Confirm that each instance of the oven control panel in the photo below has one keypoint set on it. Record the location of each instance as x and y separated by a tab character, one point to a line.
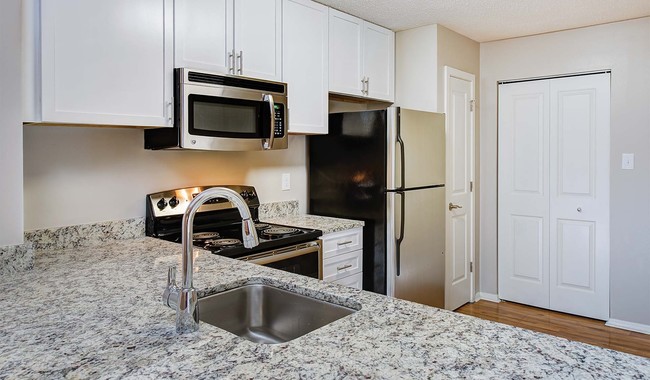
175	202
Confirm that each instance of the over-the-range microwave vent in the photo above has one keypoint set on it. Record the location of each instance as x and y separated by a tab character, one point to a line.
220	80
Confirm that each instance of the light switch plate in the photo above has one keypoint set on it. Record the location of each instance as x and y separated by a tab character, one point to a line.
627	161
286	181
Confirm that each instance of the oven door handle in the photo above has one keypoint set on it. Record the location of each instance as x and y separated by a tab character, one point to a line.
268	143
271	258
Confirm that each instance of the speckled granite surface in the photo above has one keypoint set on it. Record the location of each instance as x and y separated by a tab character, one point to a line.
278	209
323	223
85	234
95	312
15	258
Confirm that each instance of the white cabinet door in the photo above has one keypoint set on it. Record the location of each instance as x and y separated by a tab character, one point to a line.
305	64
258	38
354	281
203	33
345	53
379	61
107	62
579	214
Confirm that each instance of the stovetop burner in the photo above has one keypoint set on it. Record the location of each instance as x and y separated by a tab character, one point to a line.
262	226
276	232
205	236
222	243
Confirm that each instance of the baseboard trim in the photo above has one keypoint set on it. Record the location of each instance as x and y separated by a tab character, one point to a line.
630	326
487	297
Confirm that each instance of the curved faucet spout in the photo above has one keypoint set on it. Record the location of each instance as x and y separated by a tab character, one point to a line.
187	319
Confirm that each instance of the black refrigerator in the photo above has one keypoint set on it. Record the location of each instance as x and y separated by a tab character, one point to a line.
387	168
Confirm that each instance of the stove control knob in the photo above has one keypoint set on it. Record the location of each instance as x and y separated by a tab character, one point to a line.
251	194
174	202
244	194
162	203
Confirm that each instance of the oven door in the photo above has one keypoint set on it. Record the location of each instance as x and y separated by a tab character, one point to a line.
231	118
304	259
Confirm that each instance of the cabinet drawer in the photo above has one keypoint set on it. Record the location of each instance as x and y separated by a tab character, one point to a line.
341	242
353	281
340	266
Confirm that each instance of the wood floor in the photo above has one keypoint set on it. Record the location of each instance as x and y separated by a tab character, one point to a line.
559	324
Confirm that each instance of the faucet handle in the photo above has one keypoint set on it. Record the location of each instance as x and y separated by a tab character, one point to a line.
171	276
170	295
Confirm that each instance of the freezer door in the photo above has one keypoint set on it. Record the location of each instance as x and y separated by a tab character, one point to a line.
416	246
419	148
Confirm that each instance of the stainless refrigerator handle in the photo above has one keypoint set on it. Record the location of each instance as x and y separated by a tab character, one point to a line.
401	152
268	143
398	241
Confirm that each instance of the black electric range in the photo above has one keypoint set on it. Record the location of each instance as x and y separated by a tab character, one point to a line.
217	228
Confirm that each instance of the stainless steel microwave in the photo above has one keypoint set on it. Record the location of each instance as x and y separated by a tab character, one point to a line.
223	112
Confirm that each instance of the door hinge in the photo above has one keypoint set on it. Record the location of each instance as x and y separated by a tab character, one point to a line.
471	105
471	267
471	186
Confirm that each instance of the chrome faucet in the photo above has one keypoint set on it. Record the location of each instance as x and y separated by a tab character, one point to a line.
183	299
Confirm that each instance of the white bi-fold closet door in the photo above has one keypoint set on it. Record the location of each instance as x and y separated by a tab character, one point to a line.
553	202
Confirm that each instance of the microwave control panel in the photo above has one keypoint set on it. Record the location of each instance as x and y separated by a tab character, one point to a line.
279	120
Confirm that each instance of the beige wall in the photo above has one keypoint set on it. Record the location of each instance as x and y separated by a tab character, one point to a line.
624	48
11	138
85	175
462	53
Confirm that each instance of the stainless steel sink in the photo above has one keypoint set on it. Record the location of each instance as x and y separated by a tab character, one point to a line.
266	314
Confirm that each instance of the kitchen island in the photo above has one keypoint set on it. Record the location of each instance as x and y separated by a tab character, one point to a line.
96	312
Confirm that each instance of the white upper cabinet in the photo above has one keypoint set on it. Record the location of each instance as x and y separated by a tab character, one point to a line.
379	62
305	65
102	62
361	58
346	60
203	33
241	37
258	38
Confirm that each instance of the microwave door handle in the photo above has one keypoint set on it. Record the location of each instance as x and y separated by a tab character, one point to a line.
268	143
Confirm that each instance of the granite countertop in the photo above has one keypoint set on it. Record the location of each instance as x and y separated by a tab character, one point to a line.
323	223
96	313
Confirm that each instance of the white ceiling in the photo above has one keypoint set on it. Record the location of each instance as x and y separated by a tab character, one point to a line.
489	20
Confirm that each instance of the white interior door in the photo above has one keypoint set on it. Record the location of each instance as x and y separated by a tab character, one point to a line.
459	176
553	227
258	38
523	193
579	207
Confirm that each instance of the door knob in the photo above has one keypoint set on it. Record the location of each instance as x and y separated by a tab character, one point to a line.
579	209
453	206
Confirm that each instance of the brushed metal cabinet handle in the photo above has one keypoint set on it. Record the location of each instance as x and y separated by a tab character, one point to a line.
344	267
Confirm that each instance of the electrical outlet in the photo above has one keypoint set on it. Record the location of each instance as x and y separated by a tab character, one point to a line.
627	161
286	181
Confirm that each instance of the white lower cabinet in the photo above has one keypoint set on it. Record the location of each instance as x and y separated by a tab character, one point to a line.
343	257
352	281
